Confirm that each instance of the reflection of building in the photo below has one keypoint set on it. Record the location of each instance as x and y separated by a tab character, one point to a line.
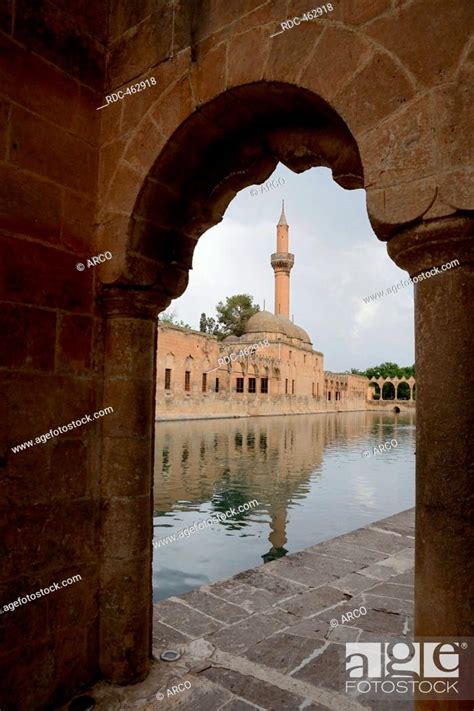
287	376
270	459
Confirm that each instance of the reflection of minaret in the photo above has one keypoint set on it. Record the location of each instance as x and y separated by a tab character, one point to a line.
282	262
278	535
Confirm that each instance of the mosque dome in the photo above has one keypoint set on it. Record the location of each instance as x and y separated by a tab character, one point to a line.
264	321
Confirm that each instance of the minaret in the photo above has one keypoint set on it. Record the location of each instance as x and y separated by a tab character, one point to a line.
282	262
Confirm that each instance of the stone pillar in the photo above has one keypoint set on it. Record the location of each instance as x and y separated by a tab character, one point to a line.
126	483
444	432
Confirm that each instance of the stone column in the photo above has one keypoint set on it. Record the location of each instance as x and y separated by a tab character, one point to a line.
444	432
126	483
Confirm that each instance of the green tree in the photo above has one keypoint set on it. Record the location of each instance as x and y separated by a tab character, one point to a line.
170	317
234	314
207	324
387	370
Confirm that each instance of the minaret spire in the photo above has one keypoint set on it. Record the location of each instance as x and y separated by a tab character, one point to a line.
282	262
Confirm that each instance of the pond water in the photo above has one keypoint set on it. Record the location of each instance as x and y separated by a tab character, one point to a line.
310	474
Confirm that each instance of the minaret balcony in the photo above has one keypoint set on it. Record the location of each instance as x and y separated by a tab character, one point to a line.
282	260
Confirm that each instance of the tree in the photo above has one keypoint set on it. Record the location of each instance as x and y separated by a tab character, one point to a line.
172	318
208	325
234	314
387	370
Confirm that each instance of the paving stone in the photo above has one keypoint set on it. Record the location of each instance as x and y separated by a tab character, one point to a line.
258	692
344	608
283	651
214	606
223	587
327	670
375	540
347	551
242	635
407	553
202	696
182	618
323	570
389	604
313	601
252	599
281	588
404	592
287	619
402	523
343	634
315	628
386	569
381	637
324	565
165	637
407	578
239	705
353	583
381	622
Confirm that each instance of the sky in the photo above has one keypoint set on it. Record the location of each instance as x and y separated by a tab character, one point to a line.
338	261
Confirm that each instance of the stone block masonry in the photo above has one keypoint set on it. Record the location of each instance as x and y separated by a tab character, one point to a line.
265	638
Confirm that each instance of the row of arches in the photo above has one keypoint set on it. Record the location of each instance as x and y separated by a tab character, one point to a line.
392	389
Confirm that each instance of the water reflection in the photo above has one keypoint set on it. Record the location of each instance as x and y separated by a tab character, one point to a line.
306	471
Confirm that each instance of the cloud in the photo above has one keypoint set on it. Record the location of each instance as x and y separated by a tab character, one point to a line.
338	261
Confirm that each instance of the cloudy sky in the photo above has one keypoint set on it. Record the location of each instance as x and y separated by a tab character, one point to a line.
338	261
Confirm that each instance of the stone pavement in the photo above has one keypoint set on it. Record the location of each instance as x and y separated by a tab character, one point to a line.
264	639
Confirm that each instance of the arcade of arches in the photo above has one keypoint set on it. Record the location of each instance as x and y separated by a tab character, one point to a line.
378	91
392	389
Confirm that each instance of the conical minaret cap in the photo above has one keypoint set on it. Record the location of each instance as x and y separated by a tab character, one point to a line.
282	220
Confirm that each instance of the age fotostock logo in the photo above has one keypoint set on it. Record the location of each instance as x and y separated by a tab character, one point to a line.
407	669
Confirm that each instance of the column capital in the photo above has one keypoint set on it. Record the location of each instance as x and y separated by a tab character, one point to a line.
145	303
433	243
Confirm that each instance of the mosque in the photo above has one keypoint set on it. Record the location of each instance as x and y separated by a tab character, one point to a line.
201	377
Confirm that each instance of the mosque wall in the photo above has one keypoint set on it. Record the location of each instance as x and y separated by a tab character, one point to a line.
283	377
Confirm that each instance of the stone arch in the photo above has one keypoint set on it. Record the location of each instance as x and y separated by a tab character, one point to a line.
373	391
388	390
170	360
355	114
403	390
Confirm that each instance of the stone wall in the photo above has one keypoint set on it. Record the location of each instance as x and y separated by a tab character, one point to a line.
285	365
381	93
52	63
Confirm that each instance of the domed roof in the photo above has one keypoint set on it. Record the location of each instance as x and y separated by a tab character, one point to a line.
266	321
288	327
303	334
263	321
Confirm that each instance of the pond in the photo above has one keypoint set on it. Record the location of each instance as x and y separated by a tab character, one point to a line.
314	477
